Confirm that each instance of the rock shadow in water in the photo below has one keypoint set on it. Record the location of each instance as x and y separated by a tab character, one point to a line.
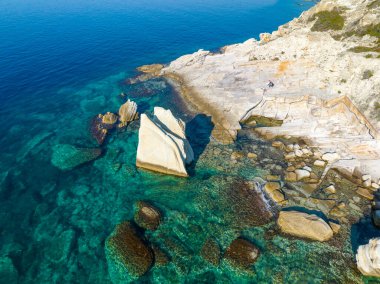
198	132
362	232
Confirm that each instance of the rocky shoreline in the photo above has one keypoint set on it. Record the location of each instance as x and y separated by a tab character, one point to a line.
324	91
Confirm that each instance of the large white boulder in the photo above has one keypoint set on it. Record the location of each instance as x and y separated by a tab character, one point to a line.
163	146
304	225
368	258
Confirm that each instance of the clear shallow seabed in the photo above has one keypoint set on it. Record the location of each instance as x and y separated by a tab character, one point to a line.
65	62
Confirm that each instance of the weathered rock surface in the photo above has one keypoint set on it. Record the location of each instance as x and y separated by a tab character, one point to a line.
163	146
127	113
326	81
67	157
109	119
242	253
128	255
368	258
147	216
304	225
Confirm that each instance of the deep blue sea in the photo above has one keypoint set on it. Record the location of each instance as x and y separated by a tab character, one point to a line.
63	62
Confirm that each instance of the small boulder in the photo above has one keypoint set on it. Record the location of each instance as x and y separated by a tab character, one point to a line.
128	255
319	163
147	216
302	174
109	118
330	157
304	225
242	253
127	113
67	157
368	258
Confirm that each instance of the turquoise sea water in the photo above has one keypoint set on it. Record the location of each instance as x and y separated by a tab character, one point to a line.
62	63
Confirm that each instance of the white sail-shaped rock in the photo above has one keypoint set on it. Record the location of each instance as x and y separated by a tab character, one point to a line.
162	144
368	258
176	127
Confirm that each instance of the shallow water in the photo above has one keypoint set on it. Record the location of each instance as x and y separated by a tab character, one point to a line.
64	62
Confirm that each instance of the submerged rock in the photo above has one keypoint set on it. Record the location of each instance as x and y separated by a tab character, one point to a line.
98	131
211	252
109	119
60	247
163	137
304	225
128	255
127	113
368	258
8	273
147	216
67	157
242	253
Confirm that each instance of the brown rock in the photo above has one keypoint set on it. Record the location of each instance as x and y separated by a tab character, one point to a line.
147	216
109	118
291	176
242	253
211	252
365	193
126	247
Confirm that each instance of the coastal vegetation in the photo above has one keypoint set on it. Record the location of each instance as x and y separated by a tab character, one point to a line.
328	20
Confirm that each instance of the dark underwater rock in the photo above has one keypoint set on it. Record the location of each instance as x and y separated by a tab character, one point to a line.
128	254
242	253
60	247
147	216
160	257
8	273
211	252
244	206
67	157
98	130
376	218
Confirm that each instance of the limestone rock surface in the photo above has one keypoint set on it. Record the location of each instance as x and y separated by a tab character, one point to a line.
368	258
163	146
304	225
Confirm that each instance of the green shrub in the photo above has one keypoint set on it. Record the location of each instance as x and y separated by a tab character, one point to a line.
367	74
328	20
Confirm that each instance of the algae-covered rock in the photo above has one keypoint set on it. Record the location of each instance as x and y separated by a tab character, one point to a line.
109	118
242	253
211	251
128	255
147	216
67	157
60	247
8	273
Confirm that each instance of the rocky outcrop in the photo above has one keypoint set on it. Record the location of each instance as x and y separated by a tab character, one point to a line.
368	258
304	225
147	216
128	255
127	113
67	157
242	253
324	70
163	146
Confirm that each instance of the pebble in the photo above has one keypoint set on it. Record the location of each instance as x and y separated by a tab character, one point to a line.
307	168
375	186
319	163
330	157
355	207
356	199
299	153
251	155
335	227
330	189
291	176
367	183
302	174
365	193
366	177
